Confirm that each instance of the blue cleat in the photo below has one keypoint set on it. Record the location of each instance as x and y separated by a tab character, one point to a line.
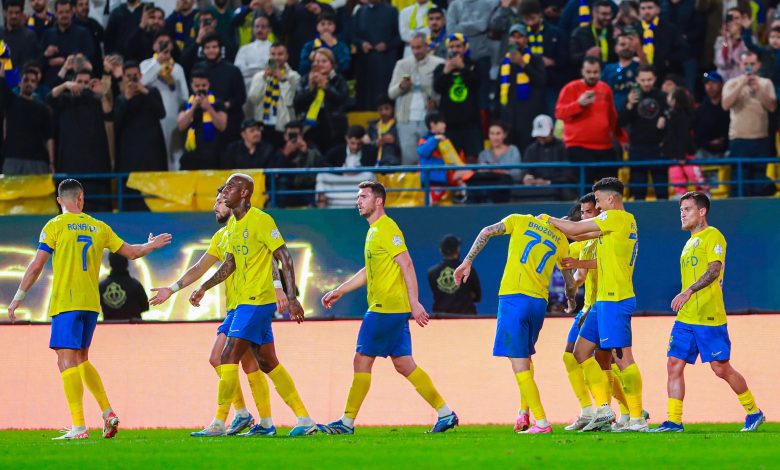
301	430
753	421
445	423
239	424
258	430
668	426
337	427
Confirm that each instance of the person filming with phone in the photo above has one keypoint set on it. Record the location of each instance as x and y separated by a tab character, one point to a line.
202	121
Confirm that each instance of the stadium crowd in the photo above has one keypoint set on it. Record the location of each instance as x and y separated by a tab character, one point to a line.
264	84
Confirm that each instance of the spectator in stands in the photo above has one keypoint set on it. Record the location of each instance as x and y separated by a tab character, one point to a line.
375	35
546	149
587	110
195	50
643	115
181	23
326	37
678	143
750	100
41	91
203	120
244	20
352	154
253	57
663	45
714	12
41	18
436	149
448	296
382	133
122	297
298	153
28	143
22	41
471	18
123	22
458	82
299	24
222	11
549	42
272	93
670	82
729	46
139	46
321	98
81	18
621	75
413	20
80	108
627	17
521	86
595	39
251	151
62	40
504	16
769	56
499	153
412	88
711	121
226	82
437	37
161	72
577	13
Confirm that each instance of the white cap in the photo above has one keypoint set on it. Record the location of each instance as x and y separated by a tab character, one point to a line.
543	126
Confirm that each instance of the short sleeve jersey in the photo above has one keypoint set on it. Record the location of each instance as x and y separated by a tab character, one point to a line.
616	254
386	285
705	307
588	252
76	242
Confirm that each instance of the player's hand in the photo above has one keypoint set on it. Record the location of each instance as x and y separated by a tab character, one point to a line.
571	305
197	296
679	300
331	298
419	314
462	272
161	295
281	300
296	311
160	240
12	310
569	263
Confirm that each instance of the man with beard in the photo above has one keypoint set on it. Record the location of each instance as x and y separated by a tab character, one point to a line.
63	40
123	21
621	74
22	41
41	18
81	18
181	23
140	46
595	39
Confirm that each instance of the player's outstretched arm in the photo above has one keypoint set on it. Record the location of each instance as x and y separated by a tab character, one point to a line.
31	275
582	230
580	264
139	251
462	272
282	254
571	291
410	277
709	276
195	272
224	271
355	282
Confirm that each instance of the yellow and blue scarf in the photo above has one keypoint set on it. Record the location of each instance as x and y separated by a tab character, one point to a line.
208	131
382	129
413	18
522	81
11	72
319	43
462	38
271	99
433	44
648	39
584	12
536	40
601	41
314	108
32	19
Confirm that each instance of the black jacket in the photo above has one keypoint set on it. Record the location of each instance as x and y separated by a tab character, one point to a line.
583	39
457	108
332	118
236	155
338	155
122	297
643	119
448	297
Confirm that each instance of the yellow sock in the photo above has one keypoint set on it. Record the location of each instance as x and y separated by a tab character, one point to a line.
91	378
529	391
524	404
227	389
596	381
361	382
632	385
222	408
609	380
259	387
617	390
576	379
748	402
674	410
424	386
286	388
74	393
238	397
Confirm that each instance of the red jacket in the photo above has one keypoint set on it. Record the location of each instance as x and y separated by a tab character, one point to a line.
592	127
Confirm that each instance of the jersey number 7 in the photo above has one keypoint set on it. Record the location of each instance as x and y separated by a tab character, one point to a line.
535	240
87	241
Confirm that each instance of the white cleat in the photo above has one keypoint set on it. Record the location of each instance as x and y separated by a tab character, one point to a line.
579	423
621	422
635	425
602	420
212	430
76	432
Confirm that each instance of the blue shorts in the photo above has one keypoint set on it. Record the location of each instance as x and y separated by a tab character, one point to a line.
520	319
253	323
224	327
687	341
385	334
608	324
574	331
72	330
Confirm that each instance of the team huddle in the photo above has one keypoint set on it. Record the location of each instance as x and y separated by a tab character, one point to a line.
259	278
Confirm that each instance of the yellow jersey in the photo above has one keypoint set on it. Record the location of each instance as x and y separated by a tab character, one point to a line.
705	307
76	242
532	243
616	255
588	252
385	282
253	239
575	248
218	248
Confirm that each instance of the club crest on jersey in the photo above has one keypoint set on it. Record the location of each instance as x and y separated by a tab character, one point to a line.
397	240
42	238
718	250
603	216
246	233
275	234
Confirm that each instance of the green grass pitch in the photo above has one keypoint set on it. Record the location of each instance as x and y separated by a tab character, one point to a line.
701	446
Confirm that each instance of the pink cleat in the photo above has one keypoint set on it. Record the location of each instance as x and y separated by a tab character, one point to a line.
538	430
110	425
523	423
